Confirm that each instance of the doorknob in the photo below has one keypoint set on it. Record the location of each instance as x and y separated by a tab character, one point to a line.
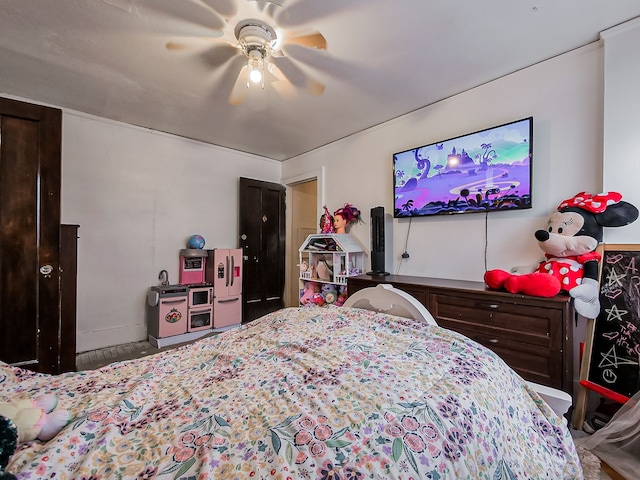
46	270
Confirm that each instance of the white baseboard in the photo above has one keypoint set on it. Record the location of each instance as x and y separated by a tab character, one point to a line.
173	340
110	336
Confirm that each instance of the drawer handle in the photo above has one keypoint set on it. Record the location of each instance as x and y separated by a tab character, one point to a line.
494	340
493	306
172	302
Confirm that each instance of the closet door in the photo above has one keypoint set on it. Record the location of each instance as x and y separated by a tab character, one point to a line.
30	139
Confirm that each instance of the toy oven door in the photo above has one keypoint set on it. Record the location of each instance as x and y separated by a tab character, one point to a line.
200	297
200	319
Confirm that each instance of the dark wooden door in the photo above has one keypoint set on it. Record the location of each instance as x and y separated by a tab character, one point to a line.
30	140
262	238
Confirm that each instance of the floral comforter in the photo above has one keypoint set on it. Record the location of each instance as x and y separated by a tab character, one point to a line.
311	393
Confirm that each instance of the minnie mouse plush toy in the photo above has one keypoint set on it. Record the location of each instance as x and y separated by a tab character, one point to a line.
569	243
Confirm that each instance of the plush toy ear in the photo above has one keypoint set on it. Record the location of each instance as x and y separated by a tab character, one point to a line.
617	215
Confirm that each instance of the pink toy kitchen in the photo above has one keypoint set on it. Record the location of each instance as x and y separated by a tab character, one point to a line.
206	299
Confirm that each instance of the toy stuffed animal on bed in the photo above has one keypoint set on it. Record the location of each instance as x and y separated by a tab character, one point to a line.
36	418
569	242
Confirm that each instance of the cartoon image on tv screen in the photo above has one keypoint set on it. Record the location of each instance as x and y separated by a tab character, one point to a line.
483	171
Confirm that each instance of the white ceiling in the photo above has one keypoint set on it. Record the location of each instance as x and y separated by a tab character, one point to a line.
384	58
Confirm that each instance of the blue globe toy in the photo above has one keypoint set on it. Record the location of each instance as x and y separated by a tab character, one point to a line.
195	241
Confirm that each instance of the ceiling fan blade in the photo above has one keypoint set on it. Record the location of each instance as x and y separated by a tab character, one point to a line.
279	81
188	43
226	8
194	13
177	46
265	6
124	5
219	54
284	88
311	40
321	61
191	12
239	91
297	77
305	11
314	88
275	71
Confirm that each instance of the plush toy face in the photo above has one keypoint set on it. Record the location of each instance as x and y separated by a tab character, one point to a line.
330	297
565	235
329	288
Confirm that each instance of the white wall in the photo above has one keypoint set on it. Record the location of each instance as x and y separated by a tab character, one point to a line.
564	96
137	196
622	122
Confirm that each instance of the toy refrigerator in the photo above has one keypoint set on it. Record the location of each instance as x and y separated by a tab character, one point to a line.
224	271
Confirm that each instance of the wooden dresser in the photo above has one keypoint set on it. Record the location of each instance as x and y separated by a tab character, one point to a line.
533	335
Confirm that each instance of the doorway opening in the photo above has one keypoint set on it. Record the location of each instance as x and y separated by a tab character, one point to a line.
304	200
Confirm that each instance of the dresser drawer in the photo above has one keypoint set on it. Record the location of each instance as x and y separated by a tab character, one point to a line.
532	362
498	319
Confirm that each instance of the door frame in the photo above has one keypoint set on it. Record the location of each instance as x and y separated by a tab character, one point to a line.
317	174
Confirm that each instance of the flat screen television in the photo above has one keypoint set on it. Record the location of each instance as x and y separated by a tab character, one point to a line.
484	171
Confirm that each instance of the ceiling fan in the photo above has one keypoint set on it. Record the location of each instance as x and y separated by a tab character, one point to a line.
256	49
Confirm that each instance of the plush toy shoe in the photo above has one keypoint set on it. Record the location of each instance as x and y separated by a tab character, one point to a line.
52	423
495	278
47	402
535	284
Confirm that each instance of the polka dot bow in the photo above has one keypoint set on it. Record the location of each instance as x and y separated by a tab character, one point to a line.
592	203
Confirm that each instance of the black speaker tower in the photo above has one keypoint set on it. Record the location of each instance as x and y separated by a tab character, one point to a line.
377	242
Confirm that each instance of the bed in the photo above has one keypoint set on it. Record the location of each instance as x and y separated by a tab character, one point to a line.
303	393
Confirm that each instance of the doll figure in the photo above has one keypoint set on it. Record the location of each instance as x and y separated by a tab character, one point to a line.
326	222
323	270
340	224
344	217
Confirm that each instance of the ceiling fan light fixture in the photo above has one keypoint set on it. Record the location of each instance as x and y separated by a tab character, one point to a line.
255	62
254	32
255	76
256	40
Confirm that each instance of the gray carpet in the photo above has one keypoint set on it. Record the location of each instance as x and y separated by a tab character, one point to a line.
99	358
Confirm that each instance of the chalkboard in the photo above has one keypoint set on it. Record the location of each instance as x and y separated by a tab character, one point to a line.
614	363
